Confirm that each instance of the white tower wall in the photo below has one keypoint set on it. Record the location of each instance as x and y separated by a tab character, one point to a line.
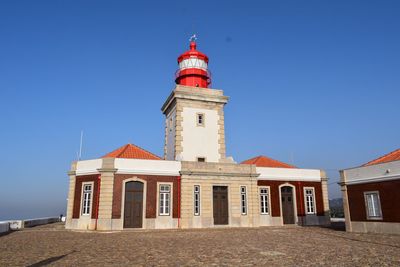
200	140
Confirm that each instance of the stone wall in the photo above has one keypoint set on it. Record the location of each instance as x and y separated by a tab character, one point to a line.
207	175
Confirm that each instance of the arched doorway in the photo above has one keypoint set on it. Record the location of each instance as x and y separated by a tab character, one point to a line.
133	205
287	203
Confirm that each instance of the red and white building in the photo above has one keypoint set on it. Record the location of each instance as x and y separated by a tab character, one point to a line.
371	195
194	184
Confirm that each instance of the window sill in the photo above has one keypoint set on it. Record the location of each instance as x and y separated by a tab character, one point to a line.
374	218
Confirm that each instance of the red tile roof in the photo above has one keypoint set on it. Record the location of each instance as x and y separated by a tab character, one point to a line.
263	161
130	151
392	156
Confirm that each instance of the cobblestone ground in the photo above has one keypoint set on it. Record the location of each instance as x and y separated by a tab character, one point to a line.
272	246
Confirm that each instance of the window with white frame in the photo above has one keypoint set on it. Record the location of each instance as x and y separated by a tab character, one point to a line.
373	205
243	200
309	198
86	199
165	199
200	119
197	200
264	200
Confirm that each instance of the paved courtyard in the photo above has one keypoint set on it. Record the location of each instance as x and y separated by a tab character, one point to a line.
272	246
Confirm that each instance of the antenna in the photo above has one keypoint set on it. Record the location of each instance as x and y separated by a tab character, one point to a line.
80	147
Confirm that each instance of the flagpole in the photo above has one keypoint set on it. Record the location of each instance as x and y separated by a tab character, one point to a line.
80	146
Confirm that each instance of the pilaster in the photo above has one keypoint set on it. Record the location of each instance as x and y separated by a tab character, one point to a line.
106	194
346	208
71	195
325	197
221	132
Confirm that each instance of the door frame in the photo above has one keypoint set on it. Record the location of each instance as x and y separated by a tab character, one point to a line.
296	219
229	204
133	179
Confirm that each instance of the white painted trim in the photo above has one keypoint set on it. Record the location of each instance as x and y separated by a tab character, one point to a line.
91	200
373	173
286	174
269	200
132	166
296	219
314	200
134	179
194	206
86	167
373	179
171	200
246	200
367	216
149	167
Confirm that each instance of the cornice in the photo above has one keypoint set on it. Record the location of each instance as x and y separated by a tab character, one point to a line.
210	173
113	170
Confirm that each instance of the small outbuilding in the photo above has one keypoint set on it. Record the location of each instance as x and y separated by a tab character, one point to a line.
371	195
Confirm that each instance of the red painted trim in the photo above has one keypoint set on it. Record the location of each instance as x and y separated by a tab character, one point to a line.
192	71
301	200
98	199
179	201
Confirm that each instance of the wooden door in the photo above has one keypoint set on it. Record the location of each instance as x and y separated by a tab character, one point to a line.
133	208
287	205
220	205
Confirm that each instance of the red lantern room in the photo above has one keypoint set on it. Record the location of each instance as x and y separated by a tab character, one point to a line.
193	68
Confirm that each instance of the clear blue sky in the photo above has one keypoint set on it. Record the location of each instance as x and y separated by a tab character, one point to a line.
313	83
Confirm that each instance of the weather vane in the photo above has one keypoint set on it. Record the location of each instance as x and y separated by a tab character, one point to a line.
193	38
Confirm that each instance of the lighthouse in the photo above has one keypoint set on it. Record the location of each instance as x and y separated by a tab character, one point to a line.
194	112
193	68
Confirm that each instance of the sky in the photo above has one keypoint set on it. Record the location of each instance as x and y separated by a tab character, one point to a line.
311	83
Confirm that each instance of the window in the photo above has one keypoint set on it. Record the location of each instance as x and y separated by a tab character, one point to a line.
264	195
165	202
201	159
373	205
86	199
200	119
243	200
197	200
309	198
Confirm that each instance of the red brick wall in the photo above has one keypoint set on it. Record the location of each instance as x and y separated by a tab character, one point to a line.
299	186
389	194
151	194
78	195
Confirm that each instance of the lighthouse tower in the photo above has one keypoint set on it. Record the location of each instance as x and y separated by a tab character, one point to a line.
194	125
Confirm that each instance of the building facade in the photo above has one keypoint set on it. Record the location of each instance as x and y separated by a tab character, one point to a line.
371	198
194	185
